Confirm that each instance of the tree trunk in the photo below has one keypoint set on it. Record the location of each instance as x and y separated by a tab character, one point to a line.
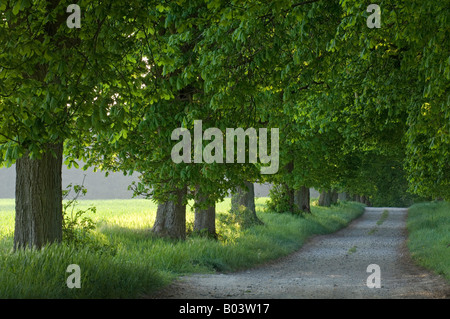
291	197
171	217
334	197
365	200
302	199
290	192
205	220
325	198
243	205
39	199
362	199
342	196
244	197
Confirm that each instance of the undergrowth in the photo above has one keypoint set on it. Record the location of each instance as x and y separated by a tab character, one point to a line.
429	236
139	263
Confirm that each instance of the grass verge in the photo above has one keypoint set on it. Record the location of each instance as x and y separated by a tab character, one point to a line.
126	261
429	236
383	217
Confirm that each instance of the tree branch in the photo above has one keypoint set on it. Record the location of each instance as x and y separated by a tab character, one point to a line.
304	2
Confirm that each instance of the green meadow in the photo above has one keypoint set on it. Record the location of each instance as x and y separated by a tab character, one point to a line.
122	259
429	236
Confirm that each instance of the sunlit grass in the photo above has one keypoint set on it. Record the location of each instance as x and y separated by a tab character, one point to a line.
429	236
136	263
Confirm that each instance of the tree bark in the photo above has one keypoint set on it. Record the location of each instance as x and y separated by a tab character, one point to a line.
290	192
38	218
302	199
243	204
205	219
365	200
342	196
245	198
334	197
171	217
325	198
291	197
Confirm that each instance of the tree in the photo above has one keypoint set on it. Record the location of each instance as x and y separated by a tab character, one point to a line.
328	197
205	218
174	46
171	217
57	84
243	205
288	73
412	84
302	199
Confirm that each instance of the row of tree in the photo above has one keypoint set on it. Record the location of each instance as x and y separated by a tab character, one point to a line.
359	110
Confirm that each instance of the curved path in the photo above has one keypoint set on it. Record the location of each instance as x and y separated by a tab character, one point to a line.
329	266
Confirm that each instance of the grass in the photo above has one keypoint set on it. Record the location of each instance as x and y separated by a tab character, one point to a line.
352	250
126	261
429	236
383	217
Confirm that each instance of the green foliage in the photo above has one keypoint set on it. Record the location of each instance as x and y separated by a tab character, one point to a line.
78	227
59	83
340	92
379	176
242	217
397	77
391	186
175	95
279	199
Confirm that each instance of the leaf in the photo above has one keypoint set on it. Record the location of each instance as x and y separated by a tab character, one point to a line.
16	7
179	84
160	8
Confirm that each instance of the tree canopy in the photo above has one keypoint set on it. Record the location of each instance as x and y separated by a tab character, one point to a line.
359	109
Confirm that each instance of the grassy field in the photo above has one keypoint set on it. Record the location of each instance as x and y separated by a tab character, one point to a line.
123	259
429	236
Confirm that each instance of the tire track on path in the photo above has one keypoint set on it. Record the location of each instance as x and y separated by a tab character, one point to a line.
328	266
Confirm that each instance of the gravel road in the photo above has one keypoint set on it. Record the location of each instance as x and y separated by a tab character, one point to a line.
329	266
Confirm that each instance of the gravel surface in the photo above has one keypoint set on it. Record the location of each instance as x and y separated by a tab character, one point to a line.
329	266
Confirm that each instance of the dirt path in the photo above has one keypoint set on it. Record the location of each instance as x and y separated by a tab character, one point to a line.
329	266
